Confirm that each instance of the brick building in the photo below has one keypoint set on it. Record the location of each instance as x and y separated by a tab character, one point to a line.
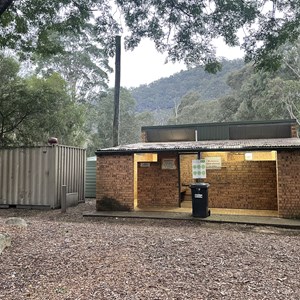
249	165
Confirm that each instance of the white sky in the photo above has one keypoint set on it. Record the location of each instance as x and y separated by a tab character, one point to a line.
145	65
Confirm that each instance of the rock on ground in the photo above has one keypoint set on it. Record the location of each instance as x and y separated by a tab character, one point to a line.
16	222
5	241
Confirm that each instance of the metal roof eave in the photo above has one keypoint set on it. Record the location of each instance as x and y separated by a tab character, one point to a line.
196	149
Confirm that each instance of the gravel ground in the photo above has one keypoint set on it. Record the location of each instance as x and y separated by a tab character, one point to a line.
67	257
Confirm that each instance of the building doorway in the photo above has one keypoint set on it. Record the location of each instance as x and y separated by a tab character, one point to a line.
242	181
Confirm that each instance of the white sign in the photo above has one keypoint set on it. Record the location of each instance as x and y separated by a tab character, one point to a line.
213	163
168	164
199	196
248	156
199	168
145	165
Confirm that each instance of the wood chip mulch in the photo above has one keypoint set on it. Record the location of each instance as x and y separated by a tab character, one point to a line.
70	257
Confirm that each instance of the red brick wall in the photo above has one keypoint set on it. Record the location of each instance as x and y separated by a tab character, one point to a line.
288	168
294	131
157	187
115	178
244	185
240	184
144	137
186	177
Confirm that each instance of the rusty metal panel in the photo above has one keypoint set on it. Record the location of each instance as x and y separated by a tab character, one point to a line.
34	176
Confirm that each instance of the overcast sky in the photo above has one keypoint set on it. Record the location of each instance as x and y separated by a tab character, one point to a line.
145	65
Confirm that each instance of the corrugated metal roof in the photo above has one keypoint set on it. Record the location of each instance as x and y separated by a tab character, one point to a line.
208	146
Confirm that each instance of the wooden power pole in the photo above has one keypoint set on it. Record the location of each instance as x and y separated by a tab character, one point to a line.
116	121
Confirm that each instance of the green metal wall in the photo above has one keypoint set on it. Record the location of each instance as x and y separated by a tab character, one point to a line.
90	179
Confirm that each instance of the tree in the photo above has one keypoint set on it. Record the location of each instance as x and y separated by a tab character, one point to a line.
280	101
227	108
4	4
193	109
165	91
33	109
37	26
15	103
57	114
83	65
101	122
264	95
184	29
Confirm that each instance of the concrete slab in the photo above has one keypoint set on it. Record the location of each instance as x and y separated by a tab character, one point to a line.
215	218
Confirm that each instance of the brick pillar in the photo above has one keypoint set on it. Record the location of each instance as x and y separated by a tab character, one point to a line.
115	178
288	183
294	131
144	138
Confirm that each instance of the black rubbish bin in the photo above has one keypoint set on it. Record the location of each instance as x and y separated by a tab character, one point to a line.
200	199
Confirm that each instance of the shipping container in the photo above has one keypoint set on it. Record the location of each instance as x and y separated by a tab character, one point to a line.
33	177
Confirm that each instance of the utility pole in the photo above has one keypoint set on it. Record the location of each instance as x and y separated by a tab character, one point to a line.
116	121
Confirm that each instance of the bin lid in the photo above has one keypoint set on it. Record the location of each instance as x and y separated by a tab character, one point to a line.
199	185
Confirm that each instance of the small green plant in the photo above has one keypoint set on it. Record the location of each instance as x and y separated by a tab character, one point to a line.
110	204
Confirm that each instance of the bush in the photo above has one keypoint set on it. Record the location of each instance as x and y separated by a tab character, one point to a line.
110	204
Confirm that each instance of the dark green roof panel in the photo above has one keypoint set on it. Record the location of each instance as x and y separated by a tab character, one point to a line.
210	133
220	131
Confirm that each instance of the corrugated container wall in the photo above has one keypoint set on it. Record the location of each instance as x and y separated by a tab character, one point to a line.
34	176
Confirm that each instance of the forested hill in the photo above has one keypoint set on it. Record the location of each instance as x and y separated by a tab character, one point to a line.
162	93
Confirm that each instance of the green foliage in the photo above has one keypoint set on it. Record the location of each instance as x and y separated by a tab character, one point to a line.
199	112
280	100
101	121
105	118
163	93
83	65
189	100
60	116
227	108
213	67
33	109
255	95
39	26
185	30
262	95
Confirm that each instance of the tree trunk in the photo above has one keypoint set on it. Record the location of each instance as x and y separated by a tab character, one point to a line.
117	93
4	4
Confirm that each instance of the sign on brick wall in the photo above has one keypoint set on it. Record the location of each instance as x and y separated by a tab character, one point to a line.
168	164
199	168
213	163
